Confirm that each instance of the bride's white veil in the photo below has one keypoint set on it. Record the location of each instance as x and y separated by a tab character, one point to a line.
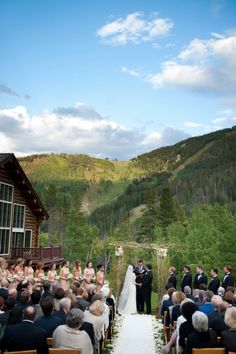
124	295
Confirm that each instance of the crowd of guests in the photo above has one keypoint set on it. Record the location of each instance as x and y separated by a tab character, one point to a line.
201	314
36	305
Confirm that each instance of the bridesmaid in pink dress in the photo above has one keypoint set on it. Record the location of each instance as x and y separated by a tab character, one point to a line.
11	277
39	273
19	270
64	272
52	273
3	267
89	274
77	272
29	273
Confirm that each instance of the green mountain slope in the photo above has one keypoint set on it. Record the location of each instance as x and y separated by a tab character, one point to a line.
198	170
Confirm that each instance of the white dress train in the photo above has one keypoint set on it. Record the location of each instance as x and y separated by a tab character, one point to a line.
127	300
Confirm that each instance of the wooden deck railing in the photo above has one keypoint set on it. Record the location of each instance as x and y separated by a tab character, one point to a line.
50	253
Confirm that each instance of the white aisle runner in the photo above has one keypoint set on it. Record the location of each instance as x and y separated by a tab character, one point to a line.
136	335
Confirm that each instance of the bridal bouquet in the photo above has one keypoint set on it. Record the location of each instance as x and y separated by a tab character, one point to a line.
11	279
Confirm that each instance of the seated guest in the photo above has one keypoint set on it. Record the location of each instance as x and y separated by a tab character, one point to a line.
71	336
81	297
207	307
86	326
58	295
196	295
35	300
217	303
24	299
201	298
4	289
188	292
221	291
95	315
228	296
201	336
25	335
177	298
65	305
15	316
48	321
166	304
47	289
218	324
229	336
187	310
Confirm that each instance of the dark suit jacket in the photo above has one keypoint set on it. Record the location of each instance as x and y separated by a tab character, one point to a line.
187	280
214	285
61	314
200	340
147	283
25	336
49	323
229	339
218	324
199	279
88	327
228	281
172	280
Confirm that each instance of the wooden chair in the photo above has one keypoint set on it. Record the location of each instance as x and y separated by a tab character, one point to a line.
64	351
167	329
33	351
231	352
208	351
49	341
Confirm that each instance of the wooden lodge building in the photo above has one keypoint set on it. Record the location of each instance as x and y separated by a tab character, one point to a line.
21	214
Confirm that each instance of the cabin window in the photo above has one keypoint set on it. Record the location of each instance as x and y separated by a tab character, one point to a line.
28	238
6	197
19	216
17	239
22	239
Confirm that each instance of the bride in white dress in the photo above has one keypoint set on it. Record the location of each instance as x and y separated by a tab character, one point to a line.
127	299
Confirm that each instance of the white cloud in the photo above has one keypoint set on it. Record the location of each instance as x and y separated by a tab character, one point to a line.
203	65
224	120
131	72
77	129
134	28
194	125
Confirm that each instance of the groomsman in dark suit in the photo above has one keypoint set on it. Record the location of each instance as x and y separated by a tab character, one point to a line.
147	288
215	281
200	278
228	279
172	277
187	278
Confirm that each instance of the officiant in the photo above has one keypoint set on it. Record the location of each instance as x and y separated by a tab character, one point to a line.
139	272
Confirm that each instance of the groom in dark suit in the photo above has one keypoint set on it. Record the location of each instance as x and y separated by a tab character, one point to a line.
147	288
139	272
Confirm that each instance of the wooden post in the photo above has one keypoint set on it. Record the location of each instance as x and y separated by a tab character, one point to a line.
161	276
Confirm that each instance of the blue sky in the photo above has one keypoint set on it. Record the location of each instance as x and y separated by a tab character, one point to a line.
114	78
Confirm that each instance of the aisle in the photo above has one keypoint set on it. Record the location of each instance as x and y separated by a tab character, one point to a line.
136	335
